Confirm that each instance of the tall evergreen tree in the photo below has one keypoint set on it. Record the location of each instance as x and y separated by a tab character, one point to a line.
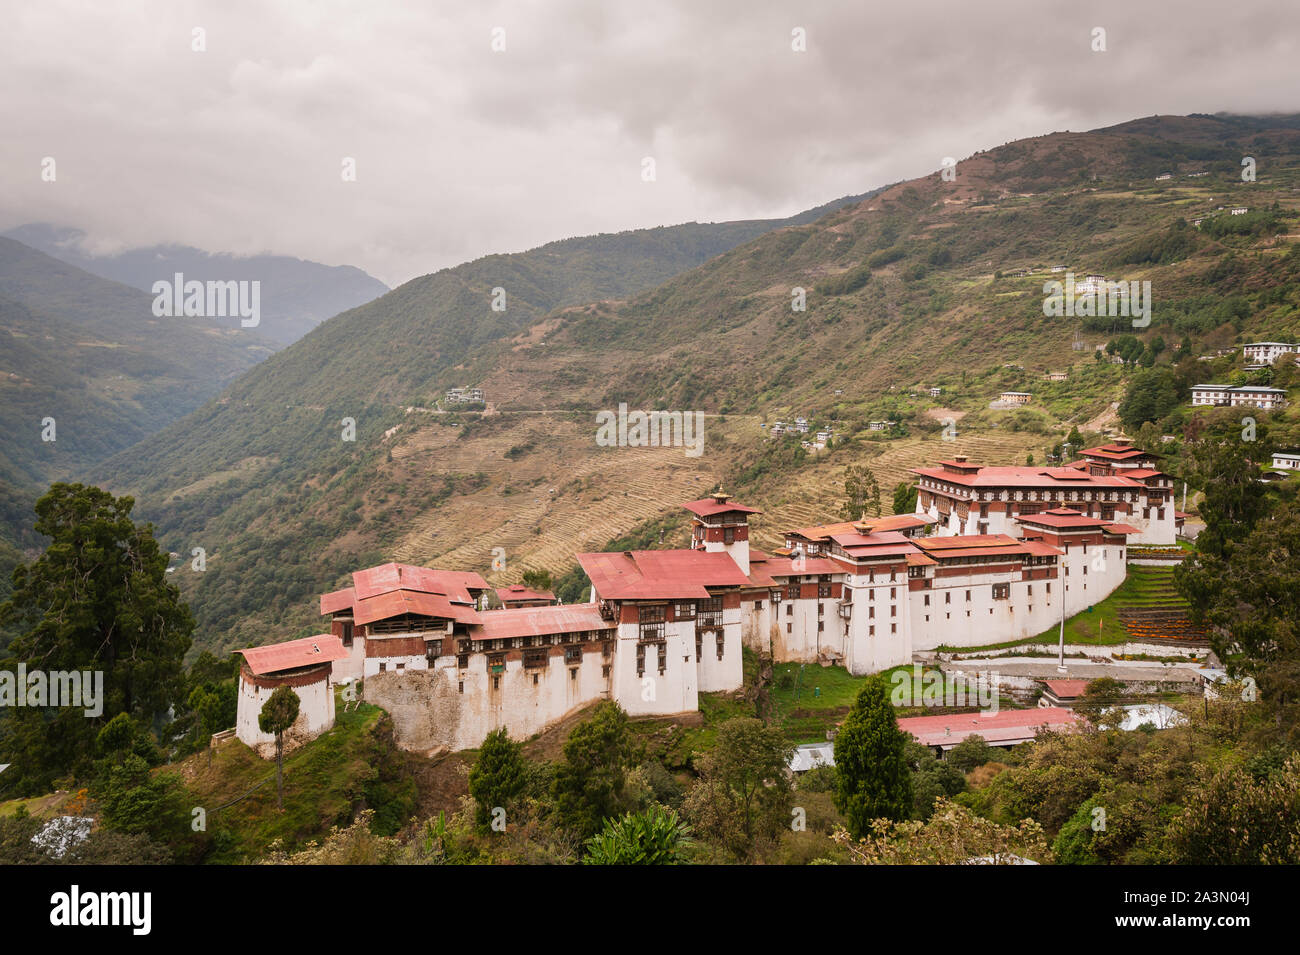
97	599
589	784
873	779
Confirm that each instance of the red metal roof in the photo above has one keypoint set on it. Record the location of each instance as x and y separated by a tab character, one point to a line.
453	584
337	600
457	587
399	602
539	621
1039	549
875	544
982	545
1005	726
294	654
821	532
890	522
660	574
1061	517
1117	452
1117	528
795	566
520	592
708	507
1025	477
1066	689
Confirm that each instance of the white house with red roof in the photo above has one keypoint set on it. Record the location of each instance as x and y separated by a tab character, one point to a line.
677	615
304	665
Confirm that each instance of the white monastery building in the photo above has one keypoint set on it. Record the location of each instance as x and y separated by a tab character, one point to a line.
991	554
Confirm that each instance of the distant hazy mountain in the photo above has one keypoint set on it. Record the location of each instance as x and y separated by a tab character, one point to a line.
90	354
297	295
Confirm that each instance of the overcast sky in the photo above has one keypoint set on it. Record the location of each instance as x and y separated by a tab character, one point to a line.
462	151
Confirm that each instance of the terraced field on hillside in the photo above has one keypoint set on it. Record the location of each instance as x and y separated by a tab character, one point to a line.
547	493
555	495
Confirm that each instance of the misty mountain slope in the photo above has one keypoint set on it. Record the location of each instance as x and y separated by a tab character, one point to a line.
296	295
405	347
90	353
919	285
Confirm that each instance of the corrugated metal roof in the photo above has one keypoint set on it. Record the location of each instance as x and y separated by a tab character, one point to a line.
1066	689
539	621
1117	528
337	600
796	566
708	507
1005	726
660	574
454	584
520	592
398	602
1023	477
294	654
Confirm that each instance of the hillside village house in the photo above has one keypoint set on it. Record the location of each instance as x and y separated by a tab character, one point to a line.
304	665
1286	460
462	395
1015	397
1267	352
1254	396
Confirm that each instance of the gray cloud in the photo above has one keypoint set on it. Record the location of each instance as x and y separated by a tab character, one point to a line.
462	152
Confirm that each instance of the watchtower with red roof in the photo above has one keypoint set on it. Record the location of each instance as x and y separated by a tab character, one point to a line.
304	665
721	525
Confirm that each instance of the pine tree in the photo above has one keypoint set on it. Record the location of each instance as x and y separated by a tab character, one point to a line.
96	600
498	777
873	778
589	785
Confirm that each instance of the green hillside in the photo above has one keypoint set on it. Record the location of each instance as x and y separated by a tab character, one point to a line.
89	354
929	283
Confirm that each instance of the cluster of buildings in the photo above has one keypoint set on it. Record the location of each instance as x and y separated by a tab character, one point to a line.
991	554
819	441
465	395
